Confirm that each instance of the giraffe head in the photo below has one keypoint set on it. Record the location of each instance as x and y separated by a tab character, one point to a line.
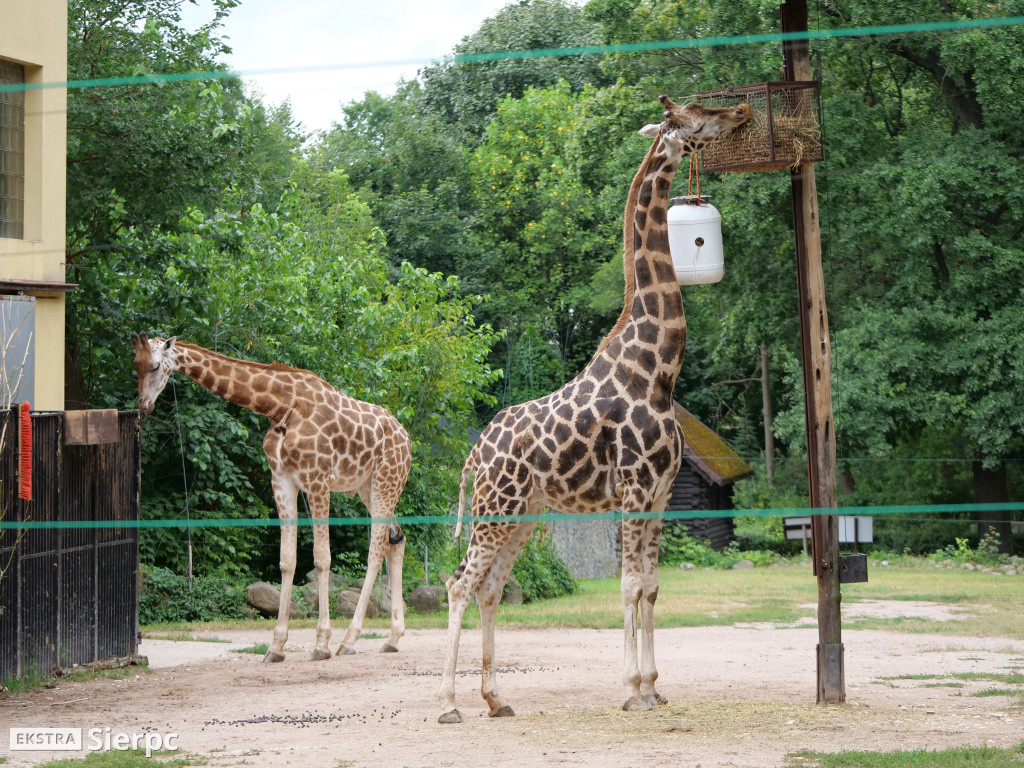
689	128
154	363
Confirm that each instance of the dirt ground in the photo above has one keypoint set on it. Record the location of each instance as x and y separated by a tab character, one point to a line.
738	696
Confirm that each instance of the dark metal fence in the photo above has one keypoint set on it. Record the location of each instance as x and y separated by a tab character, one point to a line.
68	595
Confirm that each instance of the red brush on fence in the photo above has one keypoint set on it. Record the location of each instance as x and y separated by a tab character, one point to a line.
25	452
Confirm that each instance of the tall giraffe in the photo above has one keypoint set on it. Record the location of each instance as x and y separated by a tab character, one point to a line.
606	440
320	440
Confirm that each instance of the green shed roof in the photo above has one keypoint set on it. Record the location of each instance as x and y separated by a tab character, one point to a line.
716	460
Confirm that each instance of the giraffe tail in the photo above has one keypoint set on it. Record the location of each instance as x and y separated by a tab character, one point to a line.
468	470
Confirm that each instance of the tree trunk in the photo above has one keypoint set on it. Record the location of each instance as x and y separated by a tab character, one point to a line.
990	488
766	409
75	396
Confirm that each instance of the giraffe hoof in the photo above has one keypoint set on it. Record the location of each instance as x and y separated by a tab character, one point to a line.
346	651
635	704
655	699
450	717
504	711
389	648
273	657
320	655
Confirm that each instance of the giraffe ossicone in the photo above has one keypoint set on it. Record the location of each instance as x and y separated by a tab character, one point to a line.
607	440
320	440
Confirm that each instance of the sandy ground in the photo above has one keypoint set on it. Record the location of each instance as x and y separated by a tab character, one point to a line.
738	696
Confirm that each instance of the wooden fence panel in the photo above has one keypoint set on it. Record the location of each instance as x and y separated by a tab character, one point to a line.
69	595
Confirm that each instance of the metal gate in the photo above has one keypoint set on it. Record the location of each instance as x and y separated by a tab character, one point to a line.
69	594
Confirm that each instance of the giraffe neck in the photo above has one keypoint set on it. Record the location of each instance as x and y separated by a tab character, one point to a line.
257	386
652	292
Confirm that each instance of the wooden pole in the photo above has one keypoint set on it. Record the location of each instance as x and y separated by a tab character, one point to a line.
766	411
816	356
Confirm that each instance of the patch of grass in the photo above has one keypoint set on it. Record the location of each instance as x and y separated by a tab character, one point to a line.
1014	678
130	758
259	649
84	674
1011	692
1011	678
776	594
28	681
923	676
184	636
976	757
31	680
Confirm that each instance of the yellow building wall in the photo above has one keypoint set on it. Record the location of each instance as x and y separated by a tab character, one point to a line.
34	33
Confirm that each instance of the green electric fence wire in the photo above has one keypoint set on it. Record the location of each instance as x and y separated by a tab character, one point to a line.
704	42
686	514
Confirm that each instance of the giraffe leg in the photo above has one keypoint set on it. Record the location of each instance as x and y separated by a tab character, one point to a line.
396	556
458	600
486	541
489	597
632	588
378	544
649	579
284	493
320	507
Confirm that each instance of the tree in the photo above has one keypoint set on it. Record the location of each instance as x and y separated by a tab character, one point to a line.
141	154
412	167
307	285
468	92
922	183
541	241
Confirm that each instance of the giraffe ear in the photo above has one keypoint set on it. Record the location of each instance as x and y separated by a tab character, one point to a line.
170	343
650	131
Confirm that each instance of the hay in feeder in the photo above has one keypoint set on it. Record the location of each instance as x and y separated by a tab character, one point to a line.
784	128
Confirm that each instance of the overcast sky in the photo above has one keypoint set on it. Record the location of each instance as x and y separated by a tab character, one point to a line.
350	46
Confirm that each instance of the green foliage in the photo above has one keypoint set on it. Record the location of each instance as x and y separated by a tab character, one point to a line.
679	548
467	92
165	596
257	649
307	285
139	157
127	758
541	241
985	554
540	571
195	210
976	757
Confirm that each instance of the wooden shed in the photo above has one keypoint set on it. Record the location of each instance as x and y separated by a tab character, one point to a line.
705	480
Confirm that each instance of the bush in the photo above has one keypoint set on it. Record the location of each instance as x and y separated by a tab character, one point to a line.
164	596
986	554
541	572
678	547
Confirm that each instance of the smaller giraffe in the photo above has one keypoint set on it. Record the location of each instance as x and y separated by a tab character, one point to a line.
320	440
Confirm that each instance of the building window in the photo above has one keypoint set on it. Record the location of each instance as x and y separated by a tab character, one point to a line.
12	151
17	349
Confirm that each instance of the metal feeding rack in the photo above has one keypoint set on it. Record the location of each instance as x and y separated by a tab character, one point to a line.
783	131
